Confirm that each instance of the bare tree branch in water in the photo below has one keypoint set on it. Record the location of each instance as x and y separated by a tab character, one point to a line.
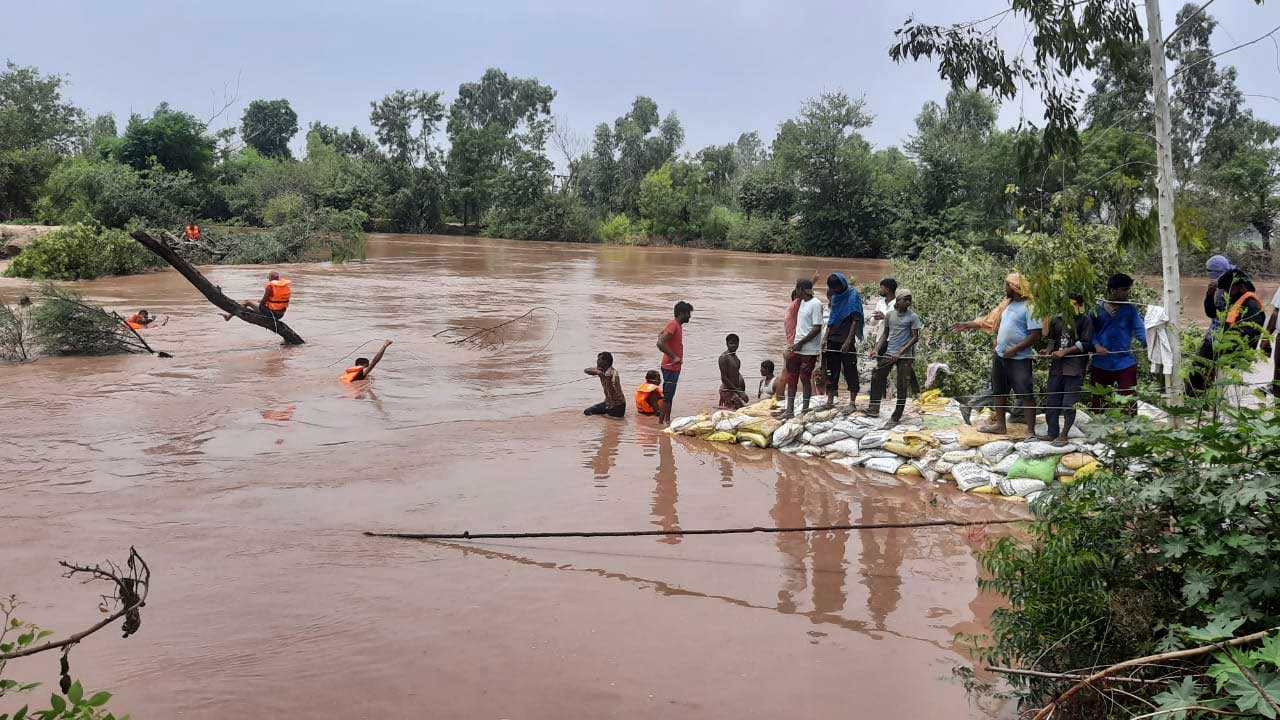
212	292
131	585
491	338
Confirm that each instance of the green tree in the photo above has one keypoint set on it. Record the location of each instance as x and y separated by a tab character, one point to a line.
638	143
37	127
497	133
405	123
268	125
1250	179
174	140
1207	104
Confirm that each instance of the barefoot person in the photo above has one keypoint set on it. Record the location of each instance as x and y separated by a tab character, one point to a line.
1017	334
275	298
1116	325
671	343
364	366
1069	343
615	403
733	387
844	328
802	355
895	350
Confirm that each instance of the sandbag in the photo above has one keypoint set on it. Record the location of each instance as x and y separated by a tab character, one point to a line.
1076	460
847	446
947	437
905	450
873	440
1019	486
762	409
1041	448
970	475
1004	466
970	437
1087	470
959	456
994	452
829	437
942	466
908	470
887	465
747	437
786	433
790	449
817	428
879	453
724	437
808	449
952	447
825	415
681	424
700	429
986	490
1043	469
849	462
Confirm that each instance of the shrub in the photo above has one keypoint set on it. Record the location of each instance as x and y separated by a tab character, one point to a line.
62	324
80	252
618	229
13	333
762	234
283	209
115	195
716	225
556	217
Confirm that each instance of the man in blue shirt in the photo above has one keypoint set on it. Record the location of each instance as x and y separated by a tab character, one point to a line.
1116	324
1017	334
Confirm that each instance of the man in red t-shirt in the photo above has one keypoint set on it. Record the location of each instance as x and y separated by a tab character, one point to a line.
671	343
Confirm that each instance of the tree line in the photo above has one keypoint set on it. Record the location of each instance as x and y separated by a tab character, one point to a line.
483	161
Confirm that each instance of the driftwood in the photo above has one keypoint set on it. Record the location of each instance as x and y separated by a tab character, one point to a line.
212	292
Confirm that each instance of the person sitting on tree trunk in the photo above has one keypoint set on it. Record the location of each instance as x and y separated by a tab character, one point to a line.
364	366
275	299
615	403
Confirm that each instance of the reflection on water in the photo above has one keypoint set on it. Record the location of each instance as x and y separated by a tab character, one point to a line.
246	473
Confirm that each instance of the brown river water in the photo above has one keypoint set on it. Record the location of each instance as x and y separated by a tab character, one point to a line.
245	474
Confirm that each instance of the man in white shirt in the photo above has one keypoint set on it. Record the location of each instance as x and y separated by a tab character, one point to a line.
802	355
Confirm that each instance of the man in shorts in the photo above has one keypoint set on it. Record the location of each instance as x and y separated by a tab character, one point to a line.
671	343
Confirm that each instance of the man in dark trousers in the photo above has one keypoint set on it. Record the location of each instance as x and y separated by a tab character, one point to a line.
671	343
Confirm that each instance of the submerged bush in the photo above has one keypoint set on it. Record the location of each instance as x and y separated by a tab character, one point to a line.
554	217
80	252
63	324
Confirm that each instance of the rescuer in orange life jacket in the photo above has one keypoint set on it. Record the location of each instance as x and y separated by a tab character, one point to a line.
275	299
140	320
363	366
191	232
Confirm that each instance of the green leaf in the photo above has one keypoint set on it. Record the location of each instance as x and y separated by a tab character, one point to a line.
76	693
1269	652
6	647
1218	629
1175	547
1247	697
57	703
25	639
1196	590
21	714
99	699
43	634
1179	695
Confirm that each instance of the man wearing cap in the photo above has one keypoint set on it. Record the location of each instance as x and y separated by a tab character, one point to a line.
895	349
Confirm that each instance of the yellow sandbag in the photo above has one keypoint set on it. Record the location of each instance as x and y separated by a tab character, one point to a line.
1077	460
929	396
724	437
908	470
702	429
760	441
970	437
1066	479
986	490
1013	498
905	450
912	438
1087	470
761	426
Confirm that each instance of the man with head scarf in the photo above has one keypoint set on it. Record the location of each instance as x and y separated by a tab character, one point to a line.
844	326
991	323
1215	303
1017	333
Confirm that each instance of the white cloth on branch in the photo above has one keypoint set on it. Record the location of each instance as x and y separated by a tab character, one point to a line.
1159	349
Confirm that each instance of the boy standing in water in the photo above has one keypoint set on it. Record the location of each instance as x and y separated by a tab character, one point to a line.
364	366
649	394
671	343
733	387
615	403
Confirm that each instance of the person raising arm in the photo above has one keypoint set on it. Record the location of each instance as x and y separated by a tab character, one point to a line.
364	366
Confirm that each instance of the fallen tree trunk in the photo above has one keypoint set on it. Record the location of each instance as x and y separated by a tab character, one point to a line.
212	292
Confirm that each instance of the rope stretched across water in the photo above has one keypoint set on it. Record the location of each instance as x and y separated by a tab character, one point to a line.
467	535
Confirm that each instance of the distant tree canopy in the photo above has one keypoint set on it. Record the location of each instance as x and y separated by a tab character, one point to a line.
268	126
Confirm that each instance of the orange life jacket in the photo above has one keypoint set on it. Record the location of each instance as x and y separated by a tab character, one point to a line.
353	373
642	397
135	322
193	232
278	292
1233	315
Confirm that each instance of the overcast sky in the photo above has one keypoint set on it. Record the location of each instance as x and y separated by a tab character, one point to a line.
724	67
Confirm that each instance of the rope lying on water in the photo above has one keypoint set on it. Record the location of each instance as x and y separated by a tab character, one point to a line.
467	535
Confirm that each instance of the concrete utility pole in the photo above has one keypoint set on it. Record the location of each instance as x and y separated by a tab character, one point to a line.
1164	197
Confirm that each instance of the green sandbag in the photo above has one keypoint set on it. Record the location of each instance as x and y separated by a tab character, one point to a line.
1043	469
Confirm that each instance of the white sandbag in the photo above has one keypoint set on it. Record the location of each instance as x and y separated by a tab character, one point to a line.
887	465
959	456
970	475
952	447
1082	419
994	452
726	425
848	446
850	429
1018	486
947	437
785	434
680	424
849	462
790	449
1075	433
806	437
1042	448
1004	466
747	443
942	467
904	429
809	450
817	428
829	437
878	453
873	440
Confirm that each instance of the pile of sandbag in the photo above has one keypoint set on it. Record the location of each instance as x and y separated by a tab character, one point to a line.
937	446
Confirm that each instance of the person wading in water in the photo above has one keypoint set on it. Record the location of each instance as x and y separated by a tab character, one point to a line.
364	366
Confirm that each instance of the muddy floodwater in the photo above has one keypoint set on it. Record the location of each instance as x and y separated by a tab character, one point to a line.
245	474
